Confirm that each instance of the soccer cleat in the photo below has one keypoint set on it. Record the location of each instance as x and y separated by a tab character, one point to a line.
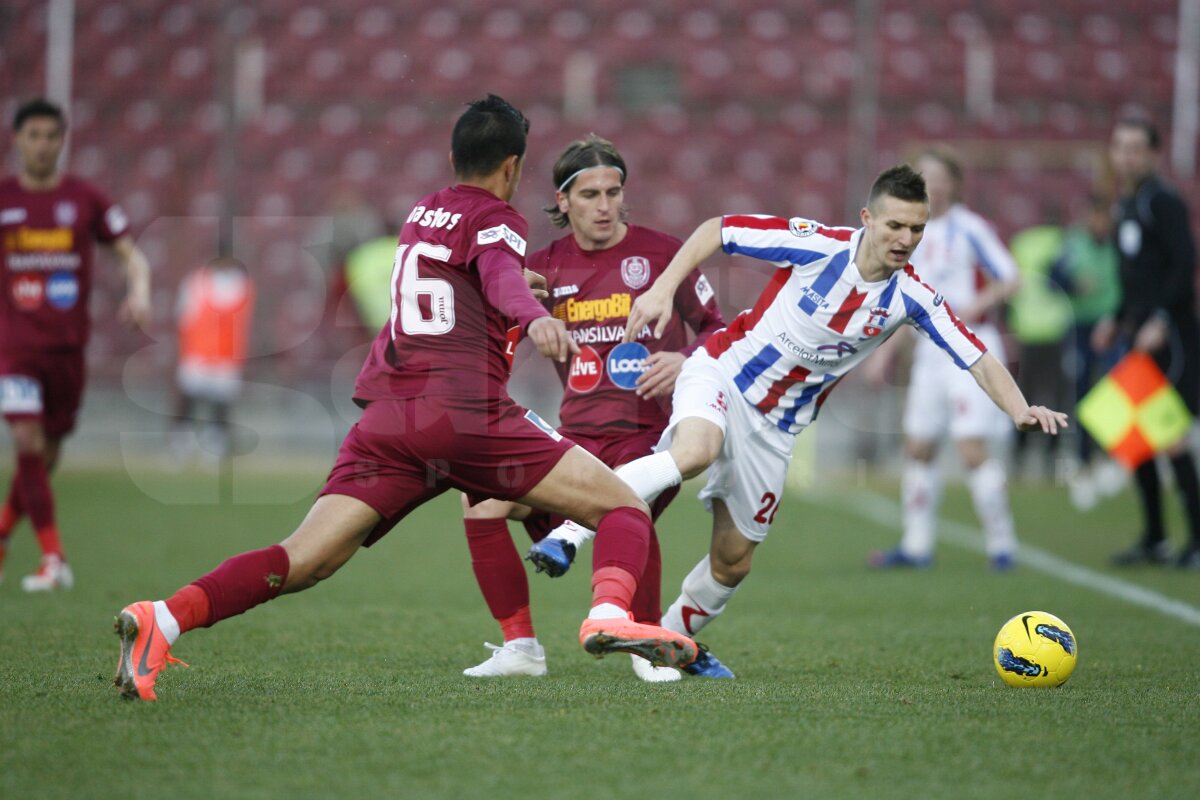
652	674
1003	562
706	665
54	573
892	559
552	555
1143	553
511	658
144	652
1189	557
659	646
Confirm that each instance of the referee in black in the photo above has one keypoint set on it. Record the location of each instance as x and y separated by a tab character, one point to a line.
1157	315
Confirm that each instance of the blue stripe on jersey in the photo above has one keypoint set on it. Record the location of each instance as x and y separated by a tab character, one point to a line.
792	255
807	396
825	281
919	315
988	266
889	291
755	367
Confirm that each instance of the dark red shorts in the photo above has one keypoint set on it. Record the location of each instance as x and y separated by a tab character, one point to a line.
45	385
402	453
614	449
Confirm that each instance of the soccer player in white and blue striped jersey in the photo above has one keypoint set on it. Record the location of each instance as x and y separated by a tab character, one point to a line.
836	295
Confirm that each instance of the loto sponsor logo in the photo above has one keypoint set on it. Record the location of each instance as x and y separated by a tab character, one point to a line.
626	363
62	290
586	370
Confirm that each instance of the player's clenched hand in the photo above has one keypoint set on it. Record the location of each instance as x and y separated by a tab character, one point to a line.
551	338
1041	418
537	284
653	307
659	379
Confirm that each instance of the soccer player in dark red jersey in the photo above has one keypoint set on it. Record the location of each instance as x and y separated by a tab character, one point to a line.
616	399
436	415
49	223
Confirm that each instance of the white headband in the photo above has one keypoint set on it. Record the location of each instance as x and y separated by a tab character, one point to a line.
567	182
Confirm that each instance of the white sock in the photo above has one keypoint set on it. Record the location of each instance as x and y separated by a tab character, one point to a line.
166	622
608	611
573	532
921	490
989	490
648	476
701	600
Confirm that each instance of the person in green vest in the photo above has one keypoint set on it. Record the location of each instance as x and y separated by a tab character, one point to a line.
368	280
1086	270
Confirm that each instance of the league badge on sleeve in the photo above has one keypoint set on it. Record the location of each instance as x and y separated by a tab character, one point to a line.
875	322
626	363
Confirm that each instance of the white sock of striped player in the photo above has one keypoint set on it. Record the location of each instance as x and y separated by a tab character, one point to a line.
648	476
989	490
702	600
921	490
166	622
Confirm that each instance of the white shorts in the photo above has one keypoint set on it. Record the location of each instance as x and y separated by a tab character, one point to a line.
211	382
943	398
752	467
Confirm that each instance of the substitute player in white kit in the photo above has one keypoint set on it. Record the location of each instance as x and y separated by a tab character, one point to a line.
740	401
963	257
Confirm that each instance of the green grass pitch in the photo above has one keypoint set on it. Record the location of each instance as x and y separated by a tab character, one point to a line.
851	684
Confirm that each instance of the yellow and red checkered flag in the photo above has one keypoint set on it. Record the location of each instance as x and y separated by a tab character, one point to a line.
1134	411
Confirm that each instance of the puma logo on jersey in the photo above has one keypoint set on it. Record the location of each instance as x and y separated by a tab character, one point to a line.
433	218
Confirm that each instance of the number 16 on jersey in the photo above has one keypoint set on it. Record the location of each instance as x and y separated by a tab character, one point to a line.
422	306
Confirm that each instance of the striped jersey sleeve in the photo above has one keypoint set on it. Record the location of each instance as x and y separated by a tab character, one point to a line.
930	314
990	253
783	242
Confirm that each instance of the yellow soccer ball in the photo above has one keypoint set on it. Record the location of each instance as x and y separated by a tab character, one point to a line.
1035	649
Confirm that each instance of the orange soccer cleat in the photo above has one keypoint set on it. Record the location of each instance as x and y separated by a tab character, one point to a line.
659	646
144	651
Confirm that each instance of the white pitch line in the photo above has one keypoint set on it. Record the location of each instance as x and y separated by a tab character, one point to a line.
883	511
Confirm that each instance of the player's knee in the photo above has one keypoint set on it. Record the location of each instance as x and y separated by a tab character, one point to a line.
919	450
695	454
28	438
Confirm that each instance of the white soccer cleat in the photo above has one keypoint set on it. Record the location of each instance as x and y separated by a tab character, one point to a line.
518	657
652	674
54	573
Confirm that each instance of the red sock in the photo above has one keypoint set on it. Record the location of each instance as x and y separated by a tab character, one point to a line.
11	513
190	607
647	601
38	499
498	569
243	582
518	626
613	585
623	540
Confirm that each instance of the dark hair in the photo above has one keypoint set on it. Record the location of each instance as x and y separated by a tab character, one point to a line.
489	131
901	182
948	158
1145	126
593	151
38	107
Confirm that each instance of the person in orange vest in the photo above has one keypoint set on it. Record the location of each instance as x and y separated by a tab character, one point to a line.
216	304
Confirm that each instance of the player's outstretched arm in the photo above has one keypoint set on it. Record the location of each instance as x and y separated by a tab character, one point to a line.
135	309
994	379
657	305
